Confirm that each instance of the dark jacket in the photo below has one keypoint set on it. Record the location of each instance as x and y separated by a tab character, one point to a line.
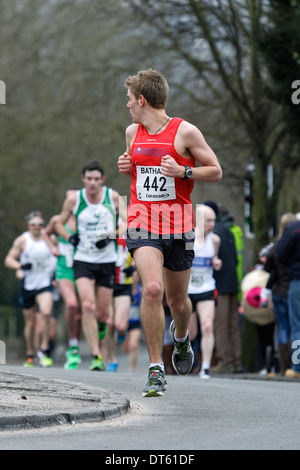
226	278
279	274
288	249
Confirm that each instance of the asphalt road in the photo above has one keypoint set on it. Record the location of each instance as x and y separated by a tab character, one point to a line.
215	414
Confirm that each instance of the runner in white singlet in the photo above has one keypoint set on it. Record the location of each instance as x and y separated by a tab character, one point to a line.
202	285
34	264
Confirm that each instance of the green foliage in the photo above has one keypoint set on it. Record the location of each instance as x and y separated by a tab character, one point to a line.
280	47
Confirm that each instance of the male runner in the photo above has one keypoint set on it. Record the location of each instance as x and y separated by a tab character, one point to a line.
64	276
34	264
160	159
96	208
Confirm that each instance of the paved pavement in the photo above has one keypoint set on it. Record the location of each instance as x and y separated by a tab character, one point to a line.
28	400
32	402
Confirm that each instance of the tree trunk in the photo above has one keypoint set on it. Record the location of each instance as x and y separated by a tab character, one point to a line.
261	203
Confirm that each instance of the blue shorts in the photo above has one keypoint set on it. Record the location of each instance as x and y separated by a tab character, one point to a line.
134	325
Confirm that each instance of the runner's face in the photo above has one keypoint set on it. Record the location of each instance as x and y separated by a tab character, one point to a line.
205	219
209	223
93	180
35	226
134	107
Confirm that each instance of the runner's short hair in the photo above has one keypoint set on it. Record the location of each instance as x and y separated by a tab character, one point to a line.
152	85
92	166
32	215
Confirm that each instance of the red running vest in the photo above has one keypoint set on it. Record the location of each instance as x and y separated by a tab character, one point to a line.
159	204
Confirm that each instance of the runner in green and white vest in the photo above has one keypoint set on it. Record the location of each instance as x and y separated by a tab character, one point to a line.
96	209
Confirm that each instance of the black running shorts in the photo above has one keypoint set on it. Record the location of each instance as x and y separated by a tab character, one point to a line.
104	274
27	298
178	249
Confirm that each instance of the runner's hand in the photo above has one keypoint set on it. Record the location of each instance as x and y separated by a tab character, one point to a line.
74	240
102	243
169	167
125	164
129	271
26	267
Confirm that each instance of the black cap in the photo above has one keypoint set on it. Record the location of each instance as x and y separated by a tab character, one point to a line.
213	205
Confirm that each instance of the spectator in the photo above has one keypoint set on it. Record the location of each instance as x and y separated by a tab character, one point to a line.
263	318
279	283
228	221
288	253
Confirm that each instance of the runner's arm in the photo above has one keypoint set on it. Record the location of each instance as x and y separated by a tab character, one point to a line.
49	236
190	143
12	259
67	211
125	161
217	262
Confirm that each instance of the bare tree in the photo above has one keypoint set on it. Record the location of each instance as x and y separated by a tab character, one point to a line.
217	41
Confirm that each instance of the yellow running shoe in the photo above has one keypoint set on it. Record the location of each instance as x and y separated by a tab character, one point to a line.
97	363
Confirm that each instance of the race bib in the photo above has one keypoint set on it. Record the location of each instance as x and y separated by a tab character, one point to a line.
199	276
89	243
134	313
40	264
106	221
151	185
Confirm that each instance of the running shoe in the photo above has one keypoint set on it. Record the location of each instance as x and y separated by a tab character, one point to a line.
103	329
44	359
97	363
292	374
204	374
157	383
121	335
183	355
29	362
112	367
73	358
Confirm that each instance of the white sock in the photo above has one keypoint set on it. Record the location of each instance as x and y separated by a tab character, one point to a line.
181	340
159	364
205	366
73	343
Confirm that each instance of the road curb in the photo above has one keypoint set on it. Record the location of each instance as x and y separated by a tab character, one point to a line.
30	402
